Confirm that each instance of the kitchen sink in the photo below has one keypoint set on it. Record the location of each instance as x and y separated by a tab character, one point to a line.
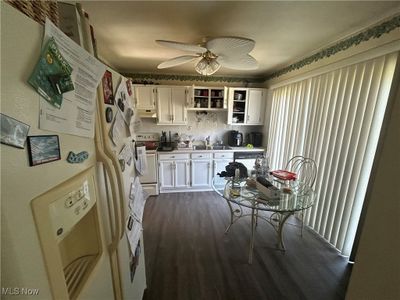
220	147
215	147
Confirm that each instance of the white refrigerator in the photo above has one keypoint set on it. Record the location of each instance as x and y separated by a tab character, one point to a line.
62	224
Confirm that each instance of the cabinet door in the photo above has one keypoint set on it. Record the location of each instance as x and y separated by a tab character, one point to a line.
255	107
219	166
166	174
164	109
201	173
144	97
237	102
181	175
179	100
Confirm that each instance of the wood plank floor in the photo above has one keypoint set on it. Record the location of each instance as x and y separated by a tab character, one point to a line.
188	256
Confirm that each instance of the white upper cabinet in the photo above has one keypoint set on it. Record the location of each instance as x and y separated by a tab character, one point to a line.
208	98
246	106
171	105
144	96
255	107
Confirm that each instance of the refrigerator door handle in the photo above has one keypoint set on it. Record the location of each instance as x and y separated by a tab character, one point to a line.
122	200
109	169
108	158
116	211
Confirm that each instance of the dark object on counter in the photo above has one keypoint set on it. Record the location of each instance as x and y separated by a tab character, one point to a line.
235	138
231	168
165	143
255	138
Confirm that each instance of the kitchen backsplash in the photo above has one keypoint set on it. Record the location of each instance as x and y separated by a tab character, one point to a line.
201	125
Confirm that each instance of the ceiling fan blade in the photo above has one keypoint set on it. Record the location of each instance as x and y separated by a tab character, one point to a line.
176	61
182	46
242	62
230	46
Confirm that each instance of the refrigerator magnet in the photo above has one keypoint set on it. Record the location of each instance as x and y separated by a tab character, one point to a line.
77	158
13	132
109	114
108	88
122	164
43	149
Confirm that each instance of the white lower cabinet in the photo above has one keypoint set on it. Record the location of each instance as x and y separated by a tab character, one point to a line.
174	171
191	172
201	170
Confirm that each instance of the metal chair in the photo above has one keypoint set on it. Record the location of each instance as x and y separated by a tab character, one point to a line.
306	173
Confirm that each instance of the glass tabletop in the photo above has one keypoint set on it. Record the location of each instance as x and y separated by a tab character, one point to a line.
239	192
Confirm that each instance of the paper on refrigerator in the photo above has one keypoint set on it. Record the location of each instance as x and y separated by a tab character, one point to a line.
133	230
77	113
118	130
137	200
123	102
141	160
126	154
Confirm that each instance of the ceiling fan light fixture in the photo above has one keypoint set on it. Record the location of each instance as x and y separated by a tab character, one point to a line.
207	66
228	52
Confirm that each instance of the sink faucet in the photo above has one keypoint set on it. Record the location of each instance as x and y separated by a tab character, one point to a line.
207	140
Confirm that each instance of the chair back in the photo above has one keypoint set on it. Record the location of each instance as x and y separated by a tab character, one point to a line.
306	170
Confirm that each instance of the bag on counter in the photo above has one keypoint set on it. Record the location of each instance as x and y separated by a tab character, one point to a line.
231	168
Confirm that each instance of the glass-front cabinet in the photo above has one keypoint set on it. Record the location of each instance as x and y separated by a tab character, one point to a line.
237	105
208	98
246	106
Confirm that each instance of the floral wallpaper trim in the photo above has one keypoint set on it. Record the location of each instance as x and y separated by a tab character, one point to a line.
148	76
371	33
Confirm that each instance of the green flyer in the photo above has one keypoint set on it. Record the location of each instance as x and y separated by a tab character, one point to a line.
52	74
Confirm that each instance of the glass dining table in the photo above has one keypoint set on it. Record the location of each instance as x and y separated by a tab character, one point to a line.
245	200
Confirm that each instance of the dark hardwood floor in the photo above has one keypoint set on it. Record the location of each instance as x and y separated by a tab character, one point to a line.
188	256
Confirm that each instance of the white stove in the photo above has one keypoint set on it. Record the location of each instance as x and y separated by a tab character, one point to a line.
149	180
150	140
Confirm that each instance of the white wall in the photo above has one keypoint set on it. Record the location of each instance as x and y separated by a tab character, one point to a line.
376	271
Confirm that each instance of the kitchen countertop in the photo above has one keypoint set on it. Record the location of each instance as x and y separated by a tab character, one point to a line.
234	149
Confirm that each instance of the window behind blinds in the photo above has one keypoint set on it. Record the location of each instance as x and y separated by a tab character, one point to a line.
334	118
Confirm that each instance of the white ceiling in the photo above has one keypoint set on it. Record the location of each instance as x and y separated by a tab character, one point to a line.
284	31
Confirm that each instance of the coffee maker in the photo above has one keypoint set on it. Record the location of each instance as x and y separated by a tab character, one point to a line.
235	138
255	138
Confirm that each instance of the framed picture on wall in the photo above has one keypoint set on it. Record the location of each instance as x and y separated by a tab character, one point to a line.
43	149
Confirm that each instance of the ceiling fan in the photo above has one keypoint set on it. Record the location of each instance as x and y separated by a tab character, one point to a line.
229	52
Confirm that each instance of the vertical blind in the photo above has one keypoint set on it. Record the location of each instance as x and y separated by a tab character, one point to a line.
334	118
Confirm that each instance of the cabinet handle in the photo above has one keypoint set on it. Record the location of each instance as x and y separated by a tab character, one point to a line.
248	117
173	156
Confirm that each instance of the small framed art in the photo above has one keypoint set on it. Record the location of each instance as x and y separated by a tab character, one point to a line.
43	149
13	132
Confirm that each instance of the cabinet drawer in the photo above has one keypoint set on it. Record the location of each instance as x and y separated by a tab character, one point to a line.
173	156
225	155
201	155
